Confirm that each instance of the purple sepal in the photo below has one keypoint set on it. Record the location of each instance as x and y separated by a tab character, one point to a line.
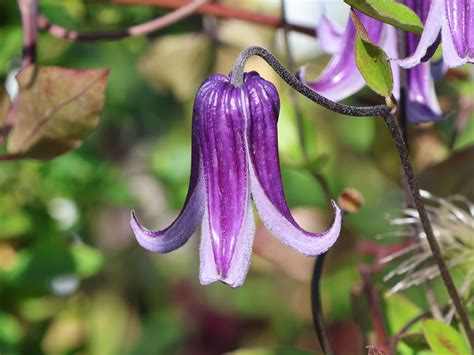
265	177
330	35
174	236
341	78
454	19
234	157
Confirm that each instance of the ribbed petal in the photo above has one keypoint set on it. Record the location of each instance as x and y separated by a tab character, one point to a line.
330	35
341	77
181	229
265	176
241	259
460	18
431	30
450	54
222	142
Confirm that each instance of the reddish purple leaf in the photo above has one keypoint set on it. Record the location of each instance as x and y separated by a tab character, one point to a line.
55	110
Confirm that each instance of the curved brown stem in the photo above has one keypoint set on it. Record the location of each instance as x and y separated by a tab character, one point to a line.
28	10
141	29
222	11
397	137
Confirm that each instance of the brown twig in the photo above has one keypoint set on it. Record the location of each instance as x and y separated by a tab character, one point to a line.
28	11
221	11
375	306
408	198
180	13
397	137
9	157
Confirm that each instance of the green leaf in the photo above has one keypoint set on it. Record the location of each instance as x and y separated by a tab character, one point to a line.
55	110
87	260
390	11
416	341
372	61
10	331
38	267
374	67
10	45
444	339
400	310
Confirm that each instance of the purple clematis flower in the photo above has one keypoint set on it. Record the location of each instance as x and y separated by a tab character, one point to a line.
341	78
453	20
234	157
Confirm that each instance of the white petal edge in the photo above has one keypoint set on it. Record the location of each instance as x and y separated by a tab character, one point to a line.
330	35
450	55
180	230
285	231
431	30
389	44
241	259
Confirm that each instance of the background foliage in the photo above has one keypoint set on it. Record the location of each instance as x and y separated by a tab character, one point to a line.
74	281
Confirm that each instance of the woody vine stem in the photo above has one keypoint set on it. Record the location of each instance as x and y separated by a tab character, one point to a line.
389	117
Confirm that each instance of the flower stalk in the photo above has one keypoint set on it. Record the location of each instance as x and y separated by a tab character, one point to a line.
389	117
217	9
397	137
403	118
316	308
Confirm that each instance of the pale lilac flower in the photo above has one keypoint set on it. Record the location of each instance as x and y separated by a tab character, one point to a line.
341	78
452	21
234	157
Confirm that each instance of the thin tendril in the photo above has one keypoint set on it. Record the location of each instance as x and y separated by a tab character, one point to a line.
316	309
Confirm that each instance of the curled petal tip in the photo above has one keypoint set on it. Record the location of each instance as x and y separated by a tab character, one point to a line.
210	268
174	236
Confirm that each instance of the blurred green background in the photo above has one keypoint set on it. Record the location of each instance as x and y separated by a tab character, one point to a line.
72	278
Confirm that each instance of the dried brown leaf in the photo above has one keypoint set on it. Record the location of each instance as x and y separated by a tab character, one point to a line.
55	110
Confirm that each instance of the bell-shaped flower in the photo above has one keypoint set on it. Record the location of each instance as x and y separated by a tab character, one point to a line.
234	157
452	21
341	78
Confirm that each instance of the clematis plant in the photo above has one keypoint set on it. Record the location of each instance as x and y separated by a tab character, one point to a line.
452	22
234	157
341	78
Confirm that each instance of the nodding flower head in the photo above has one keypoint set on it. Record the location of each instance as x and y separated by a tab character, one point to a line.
452	219
234	158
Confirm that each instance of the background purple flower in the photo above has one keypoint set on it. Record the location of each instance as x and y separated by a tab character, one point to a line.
341	78
453	20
